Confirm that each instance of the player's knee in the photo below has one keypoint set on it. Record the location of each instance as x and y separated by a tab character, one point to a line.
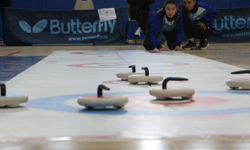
148	47
171	47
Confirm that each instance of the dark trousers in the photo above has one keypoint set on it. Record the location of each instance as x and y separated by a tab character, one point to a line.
4	3
170	37
2	15
195	31
142	18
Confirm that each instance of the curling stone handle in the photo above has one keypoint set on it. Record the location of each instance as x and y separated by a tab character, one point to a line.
100	88
164	84
133	68
241	72
146	71
3	89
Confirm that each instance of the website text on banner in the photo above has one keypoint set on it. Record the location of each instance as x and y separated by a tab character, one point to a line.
232	25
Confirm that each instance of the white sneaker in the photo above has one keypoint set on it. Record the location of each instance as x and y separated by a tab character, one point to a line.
138	32
165	44
153	51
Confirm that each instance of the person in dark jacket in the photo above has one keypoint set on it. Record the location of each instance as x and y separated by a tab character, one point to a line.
169	21
139	10
198	22
4	3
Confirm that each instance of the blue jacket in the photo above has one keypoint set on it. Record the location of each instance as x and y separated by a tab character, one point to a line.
158	25
205	12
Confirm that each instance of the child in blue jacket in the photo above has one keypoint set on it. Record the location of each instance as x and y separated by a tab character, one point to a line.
198	20
169	21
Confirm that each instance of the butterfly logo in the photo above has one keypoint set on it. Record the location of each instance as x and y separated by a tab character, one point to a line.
37	28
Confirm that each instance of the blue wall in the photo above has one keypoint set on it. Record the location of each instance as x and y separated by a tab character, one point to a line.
70	4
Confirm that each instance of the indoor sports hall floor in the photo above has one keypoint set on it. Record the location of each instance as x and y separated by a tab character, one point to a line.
55	76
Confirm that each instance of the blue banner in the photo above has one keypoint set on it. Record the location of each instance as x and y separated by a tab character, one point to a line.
28	27
232	25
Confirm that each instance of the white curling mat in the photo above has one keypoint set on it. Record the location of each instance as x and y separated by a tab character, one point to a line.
61	78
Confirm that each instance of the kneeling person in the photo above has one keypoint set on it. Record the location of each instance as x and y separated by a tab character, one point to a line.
169	21
198	22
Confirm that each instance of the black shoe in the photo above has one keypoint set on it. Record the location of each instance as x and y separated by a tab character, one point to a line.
203	45
190	46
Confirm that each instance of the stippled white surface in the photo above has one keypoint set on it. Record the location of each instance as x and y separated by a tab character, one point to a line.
54	84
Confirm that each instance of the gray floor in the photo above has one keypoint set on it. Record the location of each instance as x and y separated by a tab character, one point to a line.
237	54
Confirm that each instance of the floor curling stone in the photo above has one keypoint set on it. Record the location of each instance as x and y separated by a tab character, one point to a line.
154	79
124	75
101	101
174	95
239	83
11	100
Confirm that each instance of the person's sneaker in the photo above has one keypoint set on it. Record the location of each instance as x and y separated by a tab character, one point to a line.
138	32
153	51
190	46
203	45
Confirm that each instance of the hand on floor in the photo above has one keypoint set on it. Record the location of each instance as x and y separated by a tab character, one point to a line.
164	49
178	48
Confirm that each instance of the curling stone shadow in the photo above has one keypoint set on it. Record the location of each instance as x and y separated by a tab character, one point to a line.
107	111
13	109
145	85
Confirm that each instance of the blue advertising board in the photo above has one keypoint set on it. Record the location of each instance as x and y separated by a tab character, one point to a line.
28	27
232	25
